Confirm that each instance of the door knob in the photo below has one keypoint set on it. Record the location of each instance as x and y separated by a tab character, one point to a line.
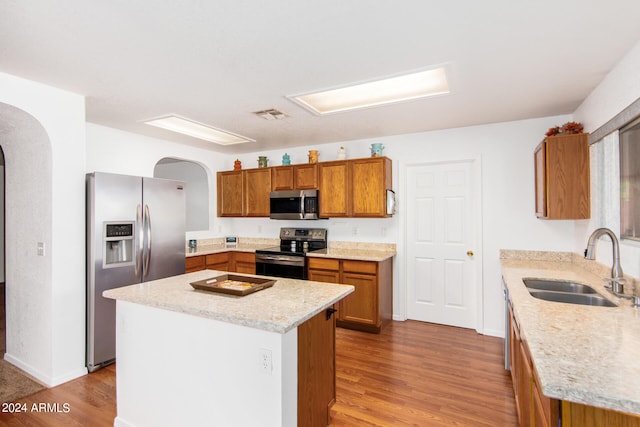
470	253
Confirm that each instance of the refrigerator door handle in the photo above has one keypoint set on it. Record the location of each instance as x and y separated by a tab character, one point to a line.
140	242
147	222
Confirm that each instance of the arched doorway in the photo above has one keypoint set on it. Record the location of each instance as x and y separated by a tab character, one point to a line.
195	176
27	217
3	310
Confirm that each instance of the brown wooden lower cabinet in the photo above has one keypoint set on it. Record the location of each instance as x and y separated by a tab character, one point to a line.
536	409
316	370
194	263
369	308
233	261
243	262
577	415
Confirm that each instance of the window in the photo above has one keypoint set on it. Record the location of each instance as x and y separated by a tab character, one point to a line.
630	181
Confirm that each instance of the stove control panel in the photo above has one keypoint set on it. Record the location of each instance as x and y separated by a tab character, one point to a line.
304	234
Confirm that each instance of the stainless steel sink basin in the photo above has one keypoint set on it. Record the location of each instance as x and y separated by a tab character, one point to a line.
572	298
558	286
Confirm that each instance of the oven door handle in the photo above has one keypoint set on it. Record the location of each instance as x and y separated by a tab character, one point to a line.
280	260
274	258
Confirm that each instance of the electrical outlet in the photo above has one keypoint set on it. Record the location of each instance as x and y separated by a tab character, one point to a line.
355	231
266	361
40	248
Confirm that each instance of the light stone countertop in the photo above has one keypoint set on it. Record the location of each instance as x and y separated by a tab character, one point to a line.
217	245
218	248
353	254
363	251
280	308
583	354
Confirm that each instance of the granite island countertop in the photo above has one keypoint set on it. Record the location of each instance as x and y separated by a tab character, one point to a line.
280	308
583	354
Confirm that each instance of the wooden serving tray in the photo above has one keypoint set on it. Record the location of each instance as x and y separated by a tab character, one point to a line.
233	284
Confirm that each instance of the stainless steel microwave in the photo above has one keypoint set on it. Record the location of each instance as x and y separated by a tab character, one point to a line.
297	204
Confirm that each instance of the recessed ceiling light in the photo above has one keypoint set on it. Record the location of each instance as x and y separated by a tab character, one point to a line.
385	91
198	130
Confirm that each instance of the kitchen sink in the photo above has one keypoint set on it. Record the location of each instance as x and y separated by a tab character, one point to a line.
558	286
572	298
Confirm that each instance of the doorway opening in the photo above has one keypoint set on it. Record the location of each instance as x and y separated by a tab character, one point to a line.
197	189
3	310
443	261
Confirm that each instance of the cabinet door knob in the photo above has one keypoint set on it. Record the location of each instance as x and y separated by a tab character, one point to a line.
330	312
470	253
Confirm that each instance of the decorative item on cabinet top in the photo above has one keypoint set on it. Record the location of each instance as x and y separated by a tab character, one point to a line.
313	156
342	153
262	161
286	160
376	149
237	165
566	129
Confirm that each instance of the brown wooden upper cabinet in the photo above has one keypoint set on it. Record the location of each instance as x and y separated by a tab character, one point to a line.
562	177
244	192
257	186
230	200
334	188
371	179
346	188
294	177
355	188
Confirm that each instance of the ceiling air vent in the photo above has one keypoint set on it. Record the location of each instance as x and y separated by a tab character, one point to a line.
271	114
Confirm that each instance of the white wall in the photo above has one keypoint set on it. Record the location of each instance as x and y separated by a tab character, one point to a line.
618	90
115	151
45	203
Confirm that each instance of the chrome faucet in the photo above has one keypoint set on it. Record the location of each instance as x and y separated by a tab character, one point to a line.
616	279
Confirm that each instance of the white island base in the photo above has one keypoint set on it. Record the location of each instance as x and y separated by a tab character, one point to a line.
193	358
175	369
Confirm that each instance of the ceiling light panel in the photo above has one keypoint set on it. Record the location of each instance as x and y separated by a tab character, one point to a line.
380	92
198	130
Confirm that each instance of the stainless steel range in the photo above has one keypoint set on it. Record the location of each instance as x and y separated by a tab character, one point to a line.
289	258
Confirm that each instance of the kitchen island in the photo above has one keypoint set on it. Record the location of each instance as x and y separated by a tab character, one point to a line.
187	357
584	358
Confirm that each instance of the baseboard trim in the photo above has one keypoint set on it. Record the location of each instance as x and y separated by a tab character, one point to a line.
42	378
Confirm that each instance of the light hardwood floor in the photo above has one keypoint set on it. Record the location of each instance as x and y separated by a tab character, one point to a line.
412	374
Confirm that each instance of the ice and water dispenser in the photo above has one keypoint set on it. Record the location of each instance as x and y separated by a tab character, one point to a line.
118	244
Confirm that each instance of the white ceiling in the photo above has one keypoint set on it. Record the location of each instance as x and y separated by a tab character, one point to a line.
217	61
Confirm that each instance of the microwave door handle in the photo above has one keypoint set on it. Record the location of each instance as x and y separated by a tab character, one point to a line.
303	214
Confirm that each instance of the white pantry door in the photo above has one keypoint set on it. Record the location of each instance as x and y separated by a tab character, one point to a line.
441	276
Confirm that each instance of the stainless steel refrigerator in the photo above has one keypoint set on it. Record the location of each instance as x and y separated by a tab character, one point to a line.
135	233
